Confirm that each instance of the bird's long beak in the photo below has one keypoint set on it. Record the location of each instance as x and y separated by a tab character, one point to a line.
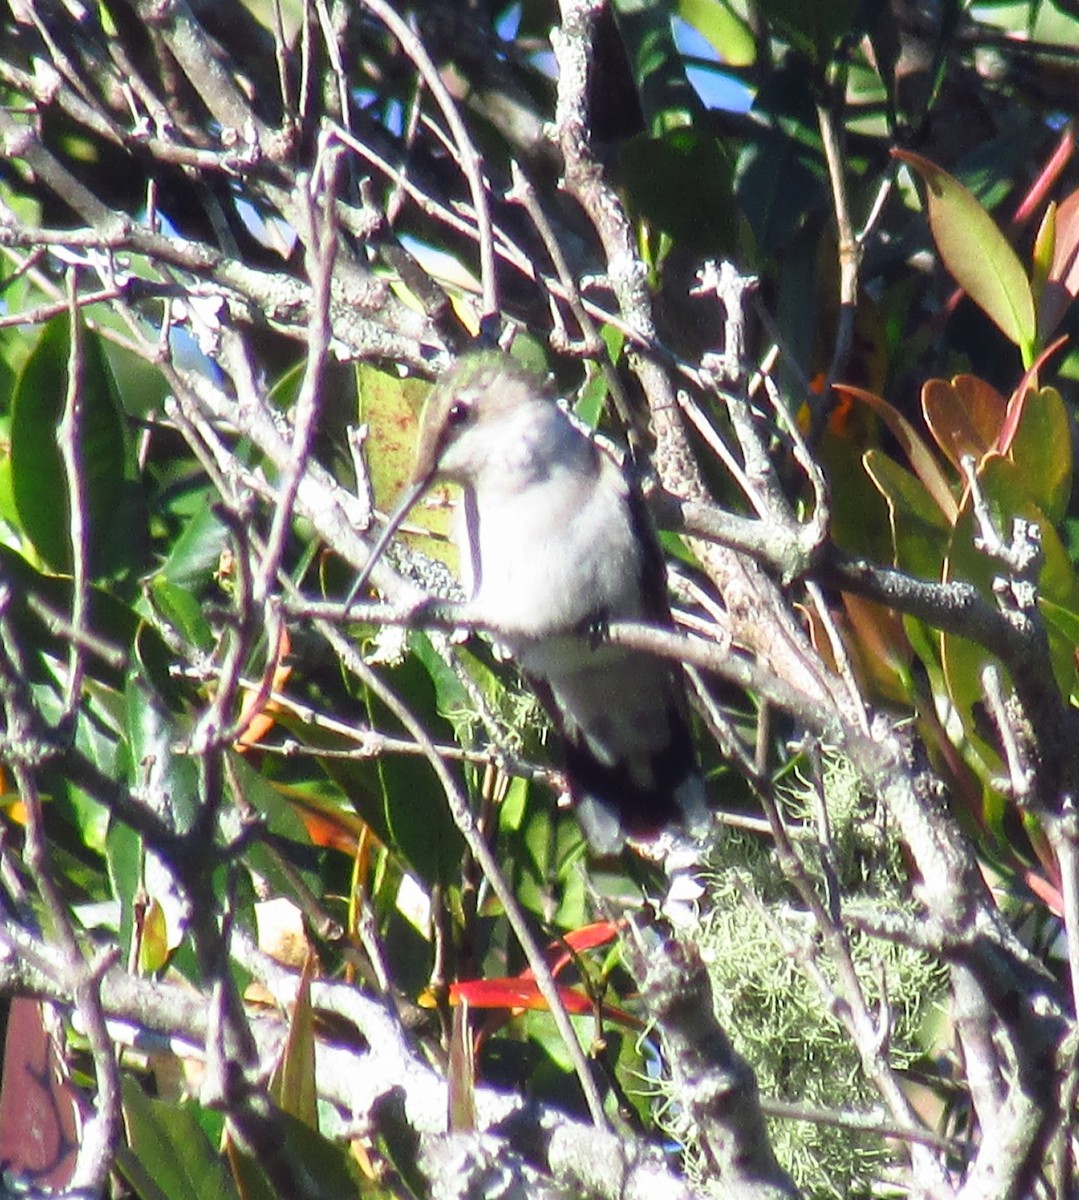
411	494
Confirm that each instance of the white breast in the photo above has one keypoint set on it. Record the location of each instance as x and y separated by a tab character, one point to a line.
553	554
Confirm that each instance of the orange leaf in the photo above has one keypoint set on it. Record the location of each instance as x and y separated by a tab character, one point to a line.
326	824
599	933
260	723
324	831
964	416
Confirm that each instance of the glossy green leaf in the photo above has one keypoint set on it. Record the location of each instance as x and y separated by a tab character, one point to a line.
124	861
546	866
1064	620
326	1165
1042	451
140	385
780	176
9	514
451	695
39	482
398	795
1041	258
168	1156
725	31
182	611
273	802
860	523
1062	283
512	810
280	806
977	254
919	530
592	396
196	554
100	736
249	1178
116	625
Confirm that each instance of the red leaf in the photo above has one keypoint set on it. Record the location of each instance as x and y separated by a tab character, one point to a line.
514	992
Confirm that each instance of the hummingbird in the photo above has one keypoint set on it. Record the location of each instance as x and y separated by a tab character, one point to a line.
555	542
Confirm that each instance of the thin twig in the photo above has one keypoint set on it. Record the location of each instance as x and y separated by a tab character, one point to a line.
465	822
69	440
320	196
467	155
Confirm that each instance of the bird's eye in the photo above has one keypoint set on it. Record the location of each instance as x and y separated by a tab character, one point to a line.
459	412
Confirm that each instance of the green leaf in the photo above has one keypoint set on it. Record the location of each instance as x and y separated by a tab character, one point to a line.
280	805
108	619
919	529
1064	620
512	809
292	1085
780	177
39	482
416	812
668	99
977	254
723	29
682	183
1062	284
859	512
1041	257
124	861
1007	489
451	696
397	794
171	779
182	611
811	26
327	1166
391	407
1042	451
592	397
921	458
169	1156
196	553
140	385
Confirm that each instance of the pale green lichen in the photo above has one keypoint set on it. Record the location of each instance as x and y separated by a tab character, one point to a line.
757	939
